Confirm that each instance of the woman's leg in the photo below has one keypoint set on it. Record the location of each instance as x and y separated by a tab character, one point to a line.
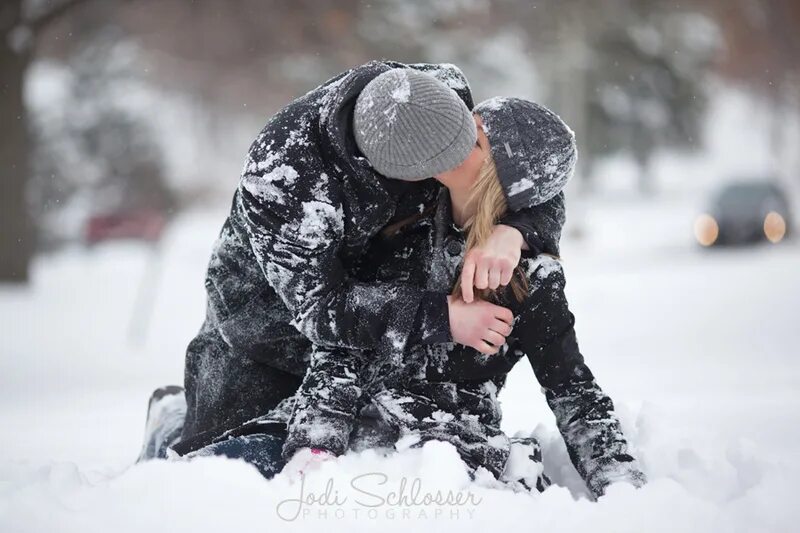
468	417
262	450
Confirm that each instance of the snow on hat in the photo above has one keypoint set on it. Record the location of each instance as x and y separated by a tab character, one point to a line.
411	126
534	149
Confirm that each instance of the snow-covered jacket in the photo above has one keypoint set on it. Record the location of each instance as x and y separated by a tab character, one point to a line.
279	278
415	394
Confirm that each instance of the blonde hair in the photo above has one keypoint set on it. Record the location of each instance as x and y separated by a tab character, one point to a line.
488	194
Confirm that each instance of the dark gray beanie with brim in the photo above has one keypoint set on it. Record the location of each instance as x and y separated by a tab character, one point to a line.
533	149
411	126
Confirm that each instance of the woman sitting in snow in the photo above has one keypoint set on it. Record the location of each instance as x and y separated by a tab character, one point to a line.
352	400
243	362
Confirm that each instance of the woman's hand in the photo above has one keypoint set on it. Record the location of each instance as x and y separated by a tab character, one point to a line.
480	325
492	264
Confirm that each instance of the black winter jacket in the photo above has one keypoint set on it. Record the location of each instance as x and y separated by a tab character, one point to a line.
450	392
279	278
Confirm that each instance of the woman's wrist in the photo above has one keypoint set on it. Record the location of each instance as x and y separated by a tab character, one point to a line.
514	233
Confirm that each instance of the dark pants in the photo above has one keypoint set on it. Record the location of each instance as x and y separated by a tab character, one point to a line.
258	445
225	388
262	450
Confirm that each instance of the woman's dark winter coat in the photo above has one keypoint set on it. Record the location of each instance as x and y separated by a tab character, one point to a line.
449	392
280	275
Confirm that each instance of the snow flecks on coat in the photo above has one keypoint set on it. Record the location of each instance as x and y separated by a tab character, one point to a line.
280	275
596	443
272	186
541	266
415	407
306	241
329	96
319	190
327	307
448	73
321	223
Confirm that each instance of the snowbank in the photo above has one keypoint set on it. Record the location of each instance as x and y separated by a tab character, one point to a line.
697	348
425	488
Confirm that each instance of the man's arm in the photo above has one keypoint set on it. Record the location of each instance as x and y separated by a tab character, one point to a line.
295	230
327	403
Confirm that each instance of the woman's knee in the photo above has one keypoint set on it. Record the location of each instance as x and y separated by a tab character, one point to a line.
262	450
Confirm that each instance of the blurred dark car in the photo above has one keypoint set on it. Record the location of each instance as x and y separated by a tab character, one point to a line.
142	224
745	212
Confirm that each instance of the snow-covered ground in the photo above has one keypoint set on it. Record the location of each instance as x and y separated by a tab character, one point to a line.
699	348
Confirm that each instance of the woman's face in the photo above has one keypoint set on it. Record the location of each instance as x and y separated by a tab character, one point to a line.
464	176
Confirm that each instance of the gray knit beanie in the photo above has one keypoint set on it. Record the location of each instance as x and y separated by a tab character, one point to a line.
533	149
411	126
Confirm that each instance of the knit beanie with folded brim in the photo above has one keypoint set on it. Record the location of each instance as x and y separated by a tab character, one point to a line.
533	149
411	126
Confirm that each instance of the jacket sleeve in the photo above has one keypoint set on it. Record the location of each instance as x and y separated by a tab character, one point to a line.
584	413
295	225
327	403
540	225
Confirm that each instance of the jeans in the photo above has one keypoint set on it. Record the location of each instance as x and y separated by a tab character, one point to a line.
262	450
165	420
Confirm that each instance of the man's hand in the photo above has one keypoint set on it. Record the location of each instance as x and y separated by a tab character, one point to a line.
480	325
492	264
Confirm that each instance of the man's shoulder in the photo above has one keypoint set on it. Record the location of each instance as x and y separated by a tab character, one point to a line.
450	75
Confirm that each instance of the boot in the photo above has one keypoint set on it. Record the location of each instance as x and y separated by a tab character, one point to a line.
166	412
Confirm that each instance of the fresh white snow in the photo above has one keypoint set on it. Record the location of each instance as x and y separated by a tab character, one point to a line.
698	348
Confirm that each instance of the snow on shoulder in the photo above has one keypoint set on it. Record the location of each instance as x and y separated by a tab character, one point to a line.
543	265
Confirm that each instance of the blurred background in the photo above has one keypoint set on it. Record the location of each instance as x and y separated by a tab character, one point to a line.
124	125
119	115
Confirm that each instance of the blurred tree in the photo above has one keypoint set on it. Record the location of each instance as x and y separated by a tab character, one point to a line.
762	44
94	149
261	53
21	24
647	79
626	75
629	76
